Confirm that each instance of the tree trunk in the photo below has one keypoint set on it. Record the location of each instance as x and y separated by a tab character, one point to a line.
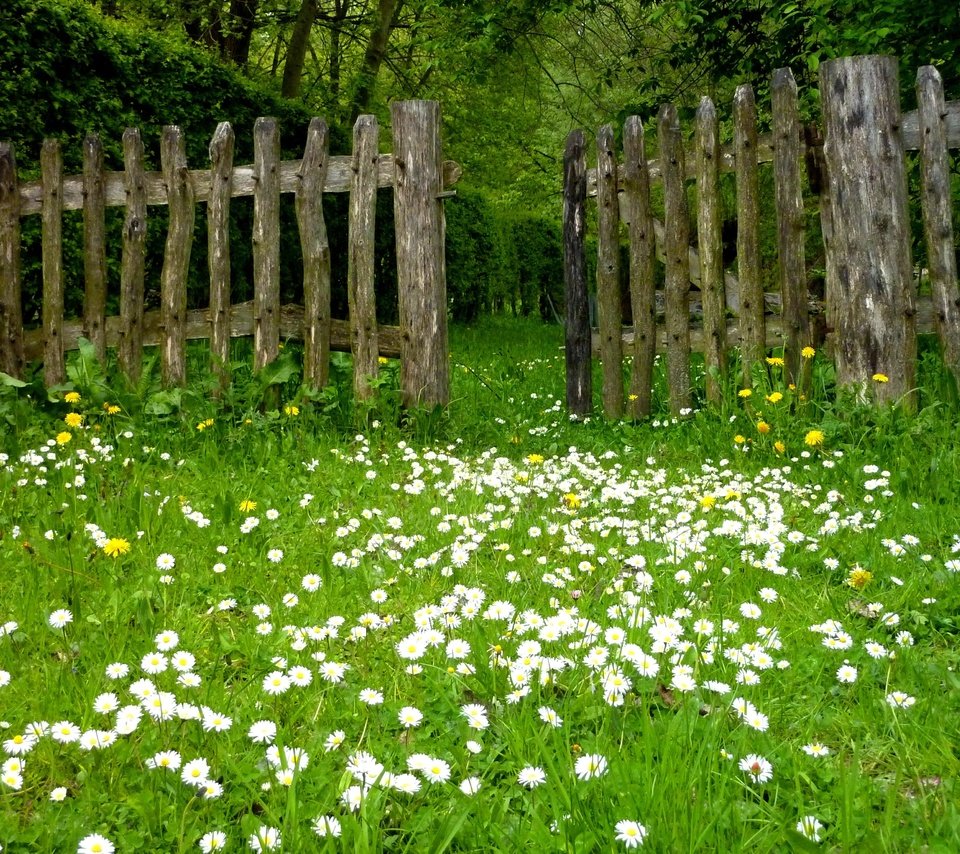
243	21
297	49
387	12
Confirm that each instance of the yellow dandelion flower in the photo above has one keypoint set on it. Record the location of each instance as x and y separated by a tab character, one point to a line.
763	427
859	577
881	378
739	439
808	352
534	459
63	438
779	447
116	546
202	426
744	393
572	501
73	419
775	361
383	360
814	438
521	477
247	506
111	409
72	397
774	397
633	397
291	410
708	501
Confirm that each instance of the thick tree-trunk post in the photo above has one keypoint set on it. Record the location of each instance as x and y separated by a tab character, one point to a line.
266	243
218	251
711	250
753	334
677	249
361	256
790	227
874	306
636	191
51	226
94	246
315	249
11	313
937	215
577	349
176	257
608	274
421	265
132	264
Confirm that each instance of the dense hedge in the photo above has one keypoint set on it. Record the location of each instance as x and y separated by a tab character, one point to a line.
66	71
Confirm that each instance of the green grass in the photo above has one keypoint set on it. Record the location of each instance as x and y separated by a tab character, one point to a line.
533	563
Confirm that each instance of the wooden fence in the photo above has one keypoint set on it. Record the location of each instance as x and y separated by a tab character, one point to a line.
856	164
415	170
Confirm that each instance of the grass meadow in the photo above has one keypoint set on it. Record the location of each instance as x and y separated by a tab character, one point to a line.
334	627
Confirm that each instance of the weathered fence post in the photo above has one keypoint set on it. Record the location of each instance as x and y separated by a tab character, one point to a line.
218	251
94	247
753	335
677	251
266	242
11	314
421	265
316	255
636	192
577	338
937	215
790	228
362	231
711	250
51	239
608	274
874	305
132	264
176	257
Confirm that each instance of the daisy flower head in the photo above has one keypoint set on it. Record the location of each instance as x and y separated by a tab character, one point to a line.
590	765
58	794
810	827
531	776
630	833
327	825
60	618
900	700
816	749
265	839
94	843
213	840
758	769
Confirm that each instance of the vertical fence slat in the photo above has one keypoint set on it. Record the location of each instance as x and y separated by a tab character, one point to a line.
218	250
676	249
937	215
875	330
132	264
11	314
753	334
315	248
711	250
361	248
266	242
176	258
636	191
790	230
94	246
421	266
608	274
577	338
51	227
